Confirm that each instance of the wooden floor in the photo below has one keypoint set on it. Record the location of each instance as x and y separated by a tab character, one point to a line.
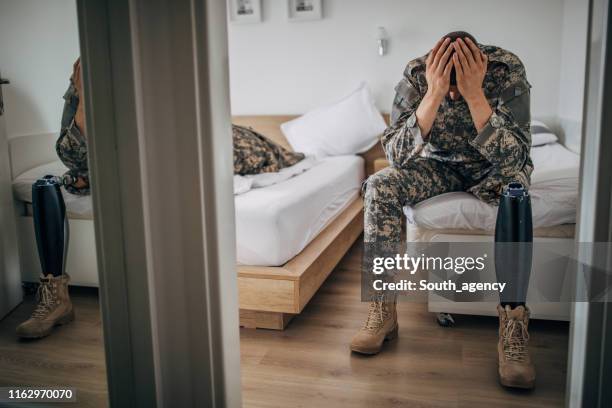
309	365
73	356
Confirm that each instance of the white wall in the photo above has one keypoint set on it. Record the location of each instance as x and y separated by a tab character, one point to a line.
38	45
573	60
281	67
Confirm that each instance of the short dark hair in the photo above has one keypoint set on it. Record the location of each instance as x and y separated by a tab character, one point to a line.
460	34
453	36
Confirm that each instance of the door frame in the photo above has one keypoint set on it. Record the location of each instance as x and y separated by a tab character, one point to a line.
11	293
160	157
590	357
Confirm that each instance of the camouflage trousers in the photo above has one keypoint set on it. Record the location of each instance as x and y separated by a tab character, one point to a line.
71	147
389	190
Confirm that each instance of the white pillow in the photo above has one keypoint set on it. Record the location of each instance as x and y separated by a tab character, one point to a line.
349	126
541	134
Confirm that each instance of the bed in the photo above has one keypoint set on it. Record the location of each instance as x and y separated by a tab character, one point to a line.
291	214
460	217
308	222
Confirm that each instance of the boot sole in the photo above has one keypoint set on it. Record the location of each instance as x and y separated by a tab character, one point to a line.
511	384
371	351
62	321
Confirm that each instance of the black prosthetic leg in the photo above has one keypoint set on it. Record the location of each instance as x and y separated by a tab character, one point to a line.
50	225
513	248
53	307
514	244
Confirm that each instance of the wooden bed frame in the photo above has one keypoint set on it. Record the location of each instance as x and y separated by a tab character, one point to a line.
271	296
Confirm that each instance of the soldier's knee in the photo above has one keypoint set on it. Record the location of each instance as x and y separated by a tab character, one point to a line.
382	185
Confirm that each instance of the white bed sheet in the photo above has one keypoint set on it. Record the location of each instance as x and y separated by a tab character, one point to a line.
242	184
79	206
554	197
273	224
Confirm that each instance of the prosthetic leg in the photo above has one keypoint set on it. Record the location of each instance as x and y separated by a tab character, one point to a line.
513	248
51	227
514	244
513	256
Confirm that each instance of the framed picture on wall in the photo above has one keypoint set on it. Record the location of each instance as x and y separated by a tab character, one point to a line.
302	10
244	11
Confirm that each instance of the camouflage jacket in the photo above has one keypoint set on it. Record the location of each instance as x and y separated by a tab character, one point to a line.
255	153
494	157
71	145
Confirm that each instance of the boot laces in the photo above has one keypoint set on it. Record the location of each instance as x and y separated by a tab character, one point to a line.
46	300
376	315
516	338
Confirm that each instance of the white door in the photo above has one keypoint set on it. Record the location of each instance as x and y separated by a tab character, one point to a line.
10	275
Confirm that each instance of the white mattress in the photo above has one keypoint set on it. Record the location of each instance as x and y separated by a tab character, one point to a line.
554	197
76	206
273	224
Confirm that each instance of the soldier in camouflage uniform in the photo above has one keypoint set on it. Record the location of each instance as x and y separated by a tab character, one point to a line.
71	146
454	155
54	306
460	122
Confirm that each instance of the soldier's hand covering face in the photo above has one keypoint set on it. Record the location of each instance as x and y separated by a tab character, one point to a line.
438	68
77	80
471	66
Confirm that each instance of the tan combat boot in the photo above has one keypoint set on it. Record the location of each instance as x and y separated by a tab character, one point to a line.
380	325
54	308
515	367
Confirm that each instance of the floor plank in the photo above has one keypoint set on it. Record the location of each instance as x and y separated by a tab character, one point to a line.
309	364
73	356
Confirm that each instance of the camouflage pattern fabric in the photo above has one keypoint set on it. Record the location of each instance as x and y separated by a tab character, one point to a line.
392	188
455	157
254	153
500	152
71	146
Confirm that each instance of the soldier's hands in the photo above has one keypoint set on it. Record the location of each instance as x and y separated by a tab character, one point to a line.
76	75
438	69
471	66
77	80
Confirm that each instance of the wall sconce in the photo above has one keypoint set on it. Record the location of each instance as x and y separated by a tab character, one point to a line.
382	39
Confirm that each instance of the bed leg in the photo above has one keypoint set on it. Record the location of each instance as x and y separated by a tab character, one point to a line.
253	319
445	319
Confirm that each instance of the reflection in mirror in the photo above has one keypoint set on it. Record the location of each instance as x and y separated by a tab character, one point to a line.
51	333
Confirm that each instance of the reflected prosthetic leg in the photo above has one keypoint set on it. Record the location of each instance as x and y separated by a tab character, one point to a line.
513	255
51	227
